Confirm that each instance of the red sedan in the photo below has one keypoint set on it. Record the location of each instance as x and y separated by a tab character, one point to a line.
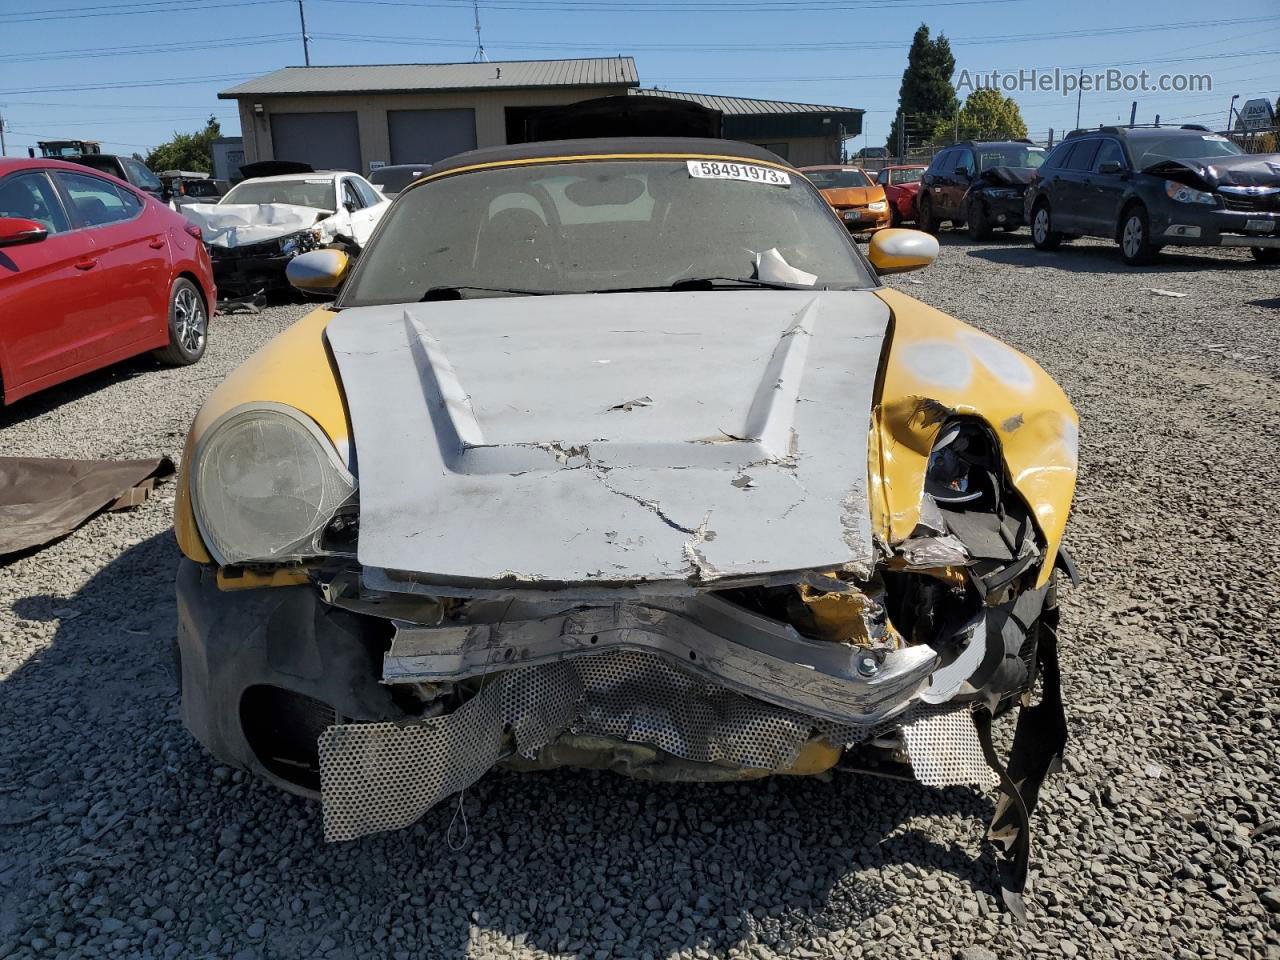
901	184
92	271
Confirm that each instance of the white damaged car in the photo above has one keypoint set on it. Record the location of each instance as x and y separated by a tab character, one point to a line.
262	223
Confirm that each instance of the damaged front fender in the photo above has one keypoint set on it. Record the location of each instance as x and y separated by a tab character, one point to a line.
938	368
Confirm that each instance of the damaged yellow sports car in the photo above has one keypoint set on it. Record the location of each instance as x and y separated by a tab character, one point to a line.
617	454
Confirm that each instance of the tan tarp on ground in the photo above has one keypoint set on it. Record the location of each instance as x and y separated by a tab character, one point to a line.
42	499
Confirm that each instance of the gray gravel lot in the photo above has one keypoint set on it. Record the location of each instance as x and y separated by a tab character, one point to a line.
119	837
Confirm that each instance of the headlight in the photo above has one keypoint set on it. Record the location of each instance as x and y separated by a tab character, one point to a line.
265	482
1184	194
877	205
1002	193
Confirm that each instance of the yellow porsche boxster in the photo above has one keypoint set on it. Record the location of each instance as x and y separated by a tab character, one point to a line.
618	454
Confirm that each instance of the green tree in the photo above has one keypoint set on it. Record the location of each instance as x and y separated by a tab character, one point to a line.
926	100
989	115
187	151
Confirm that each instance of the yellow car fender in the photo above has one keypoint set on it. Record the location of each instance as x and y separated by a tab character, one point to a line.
293	369
938	367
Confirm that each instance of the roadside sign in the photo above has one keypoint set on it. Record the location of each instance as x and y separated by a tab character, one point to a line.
1256	114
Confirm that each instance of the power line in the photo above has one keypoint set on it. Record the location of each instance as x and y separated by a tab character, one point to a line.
693	6
91	53
126	10
130	84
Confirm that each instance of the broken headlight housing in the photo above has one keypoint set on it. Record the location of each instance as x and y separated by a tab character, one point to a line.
265	483
963	466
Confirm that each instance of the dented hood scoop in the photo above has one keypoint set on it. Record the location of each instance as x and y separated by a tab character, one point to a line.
612	439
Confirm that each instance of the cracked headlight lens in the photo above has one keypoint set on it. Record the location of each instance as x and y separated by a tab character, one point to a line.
265	483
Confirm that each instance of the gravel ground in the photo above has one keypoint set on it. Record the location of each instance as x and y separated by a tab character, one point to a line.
119	837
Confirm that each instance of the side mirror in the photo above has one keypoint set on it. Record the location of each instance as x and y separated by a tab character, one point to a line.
897	250
349	206
1111	166
17	231
962	171
319	271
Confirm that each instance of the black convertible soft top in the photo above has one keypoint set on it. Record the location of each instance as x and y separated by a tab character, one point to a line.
551	149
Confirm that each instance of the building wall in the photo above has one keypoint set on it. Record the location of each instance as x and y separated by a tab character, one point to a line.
804	151
371	113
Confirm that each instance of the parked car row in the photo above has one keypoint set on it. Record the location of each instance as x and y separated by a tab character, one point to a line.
1143	187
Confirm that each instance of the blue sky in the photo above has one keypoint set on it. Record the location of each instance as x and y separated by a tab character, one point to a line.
129	72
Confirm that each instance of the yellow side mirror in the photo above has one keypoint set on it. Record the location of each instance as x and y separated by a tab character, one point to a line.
319	271
897	250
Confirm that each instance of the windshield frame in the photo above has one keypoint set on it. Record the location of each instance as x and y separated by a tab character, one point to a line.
868	180
342	302
1141	149
282	181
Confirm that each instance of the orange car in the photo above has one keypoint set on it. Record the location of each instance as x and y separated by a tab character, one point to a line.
856	200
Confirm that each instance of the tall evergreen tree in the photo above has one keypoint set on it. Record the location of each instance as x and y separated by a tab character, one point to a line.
926	100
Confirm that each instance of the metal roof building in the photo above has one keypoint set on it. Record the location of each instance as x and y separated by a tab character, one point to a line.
358	117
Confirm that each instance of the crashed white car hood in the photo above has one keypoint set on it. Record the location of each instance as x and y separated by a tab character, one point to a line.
611	439
237	224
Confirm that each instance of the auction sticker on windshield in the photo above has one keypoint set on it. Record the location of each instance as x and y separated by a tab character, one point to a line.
722	170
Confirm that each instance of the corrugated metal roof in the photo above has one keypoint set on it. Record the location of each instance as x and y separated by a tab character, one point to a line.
742	106
415	77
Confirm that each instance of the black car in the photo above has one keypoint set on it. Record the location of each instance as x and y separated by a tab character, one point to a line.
1146	187
127	169
390	180
980	183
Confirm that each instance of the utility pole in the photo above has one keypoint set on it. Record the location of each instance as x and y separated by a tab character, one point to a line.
1230	110
2	146
306	40
1079	94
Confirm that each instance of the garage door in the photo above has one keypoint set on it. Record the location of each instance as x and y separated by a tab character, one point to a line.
327	141
425	136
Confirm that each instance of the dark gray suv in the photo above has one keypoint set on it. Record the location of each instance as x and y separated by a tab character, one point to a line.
1148	187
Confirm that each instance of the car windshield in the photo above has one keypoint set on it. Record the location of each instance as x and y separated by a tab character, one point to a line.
394	179
304	192
597	226
905	176
1010	155
1183	146
826	179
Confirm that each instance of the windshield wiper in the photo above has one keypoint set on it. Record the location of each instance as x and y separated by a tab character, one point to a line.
454	292
710	283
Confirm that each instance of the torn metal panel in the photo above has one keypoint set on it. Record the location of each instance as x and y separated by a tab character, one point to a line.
737	648
42	499
520	477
